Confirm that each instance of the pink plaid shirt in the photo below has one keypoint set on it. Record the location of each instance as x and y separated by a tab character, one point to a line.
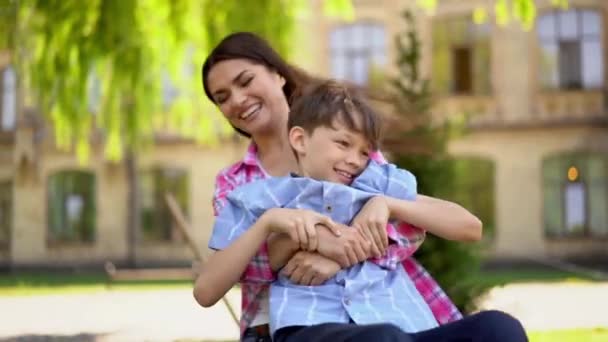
258	274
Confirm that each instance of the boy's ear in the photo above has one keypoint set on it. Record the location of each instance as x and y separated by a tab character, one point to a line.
297	140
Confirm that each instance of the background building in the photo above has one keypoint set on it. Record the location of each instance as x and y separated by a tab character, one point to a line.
536	148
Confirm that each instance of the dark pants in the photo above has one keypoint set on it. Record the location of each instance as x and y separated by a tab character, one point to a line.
481	327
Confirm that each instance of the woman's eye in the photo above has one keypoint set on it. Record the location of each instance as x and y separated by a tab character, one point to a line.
220	100
246	81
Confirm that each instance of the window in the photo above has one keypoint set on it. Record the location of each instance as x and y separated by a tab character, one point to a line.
158	224
461	56
6	214
356	51
571	49
8	100
71	205
575	190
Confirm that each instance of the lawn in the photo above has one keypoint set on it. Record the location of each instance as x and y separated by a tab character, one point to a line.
499	277
29	283
578	335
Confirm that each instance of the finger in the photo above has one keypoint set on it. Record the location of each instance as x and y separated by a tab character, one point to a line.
302	236
307	277
288	269
352	256
330	224
316	280
296	275
377	239
311	232
360	253
361	228
365	245
369	236
383	237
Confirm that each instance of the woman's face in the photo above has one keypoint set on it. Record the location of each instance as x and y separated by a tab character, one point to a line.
249	95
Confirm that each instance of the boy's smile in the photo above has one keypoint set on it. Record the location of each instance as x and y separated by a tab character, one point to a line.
335	154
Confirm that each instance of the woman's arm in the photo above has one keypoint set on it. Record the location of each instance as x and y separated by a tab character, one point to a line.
224	267
216	278
445	219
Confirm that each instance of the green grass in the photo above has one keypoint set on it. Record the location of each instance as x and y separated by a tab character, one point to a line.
501	277
577	335
27	283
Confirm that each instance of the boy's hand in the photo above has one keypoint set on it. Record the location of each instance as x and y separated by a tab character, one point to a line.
299	225
306	268
371	221
348	249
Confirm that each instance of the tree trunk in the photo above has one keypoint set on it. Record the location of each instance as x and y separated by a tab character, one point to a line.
133	208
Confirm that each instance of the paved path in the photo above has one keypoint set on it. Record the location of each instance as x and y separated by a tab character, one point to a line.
171	315
162	315
542	306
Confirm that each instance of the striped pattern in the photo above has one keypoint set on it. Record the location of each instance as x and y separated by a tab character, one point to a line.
258	275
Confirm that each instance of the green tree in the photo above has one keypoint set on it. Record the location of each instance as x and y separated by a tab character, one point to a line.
522	11
420	146
95	67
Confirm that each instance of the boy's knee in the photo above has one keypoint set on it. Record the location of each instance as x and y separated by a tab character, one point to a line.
503	325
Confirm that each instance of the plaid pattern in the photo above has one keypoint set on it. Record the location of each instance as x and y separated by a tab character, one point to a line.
258	274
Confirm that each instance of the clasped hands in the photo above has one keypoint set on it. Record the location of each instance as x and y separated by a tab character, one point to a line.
325	246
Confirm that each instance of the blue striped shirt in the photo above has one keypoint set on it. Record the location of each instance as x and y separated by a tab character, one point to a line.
364	293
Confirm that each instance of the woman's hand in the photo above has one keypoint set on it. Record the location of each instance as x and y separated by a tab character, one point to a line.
371	221
348	249
306	268
299	225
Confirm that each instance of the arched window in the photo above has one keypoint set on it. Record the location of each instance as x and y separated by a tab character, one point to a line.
571	49
356	49
575	190
71	207
157	224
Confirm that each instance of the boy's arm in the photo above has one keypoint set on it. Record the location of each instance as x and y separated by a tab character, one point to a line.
301	267
280	250
347	249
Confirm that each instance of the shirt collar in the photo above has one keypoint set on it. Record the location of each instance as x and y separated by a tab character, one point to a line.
251	156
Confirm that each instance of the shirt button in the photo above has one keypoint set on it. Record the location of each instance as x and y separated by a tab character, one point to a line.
347	301
328	208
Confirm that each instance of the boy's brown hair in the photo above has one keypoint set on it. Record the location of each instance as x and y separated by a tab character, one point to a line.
321	103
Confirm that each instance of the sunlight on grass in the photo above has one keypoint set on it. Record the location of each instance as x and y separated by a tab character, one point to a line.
577	335
25	284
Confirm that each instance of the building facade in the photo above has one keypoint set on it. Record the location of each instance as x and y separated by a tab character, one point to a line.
535	103
537	130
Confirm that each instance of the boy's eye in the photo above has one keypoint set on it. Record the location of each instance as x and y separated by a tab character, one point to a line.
342	143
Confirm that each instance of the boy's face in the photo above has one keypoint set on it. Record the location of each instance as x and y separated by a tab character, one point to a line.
335	154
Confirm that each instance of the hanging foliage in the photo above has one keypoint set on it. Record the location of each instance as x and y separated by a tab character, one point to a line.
97	65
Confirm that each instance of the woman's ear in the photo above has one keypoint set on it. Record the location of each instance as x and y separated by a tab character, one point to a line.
298	140
282	80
